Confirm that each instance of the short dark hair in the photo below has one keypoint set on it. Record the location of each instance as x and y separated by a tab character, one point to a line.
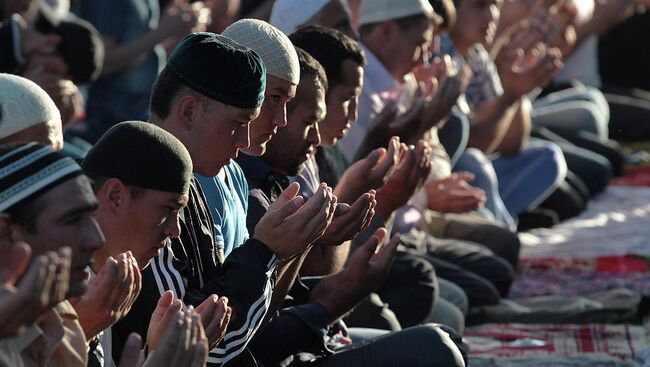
97	182
309	66
404	23
330	47
165	89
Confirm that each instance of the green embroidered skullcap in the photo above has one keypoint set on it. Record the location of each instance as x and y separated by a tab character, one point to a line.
143	155
221	69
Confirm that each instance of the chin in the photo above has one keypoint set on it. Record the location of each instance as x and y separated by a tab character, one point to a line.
255	150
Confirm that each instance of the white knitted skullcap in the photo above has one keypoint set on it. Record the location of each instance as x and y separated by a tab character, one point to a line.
375	11
273	46
287	15
23	104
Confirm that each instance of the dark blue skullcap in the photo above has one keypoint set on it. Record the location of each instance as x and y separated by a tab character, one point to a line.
221	69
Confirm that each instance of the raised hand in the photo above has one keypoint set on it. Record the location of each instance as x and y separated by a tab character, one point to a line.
388	124
413	170
178	19
364	272
454	194
369	173
110	295
291	225
176	336
368	266
44	285
215	316
348	220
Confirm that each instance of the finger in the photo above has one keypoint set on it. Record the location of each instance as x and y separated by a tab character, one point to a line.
19	255
367	251
164	303
131	352
224	311
287	195
38	280
137	280
280	215
63	273
387	253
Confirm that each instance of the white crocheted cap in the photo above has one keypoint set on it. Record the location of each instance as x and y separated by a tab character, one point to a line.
23	104
287	15
375	11
273	46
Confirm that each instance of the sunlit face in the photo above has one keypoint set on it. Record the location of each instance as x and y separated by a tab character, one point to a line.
406	49
294	144
218	132
67	219
273	114
342	102
476	21
146	220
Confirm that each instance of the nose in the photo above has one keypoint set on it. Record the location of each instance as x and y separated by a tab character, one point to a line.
314	135
243	137
95	237
173	227
280	118
353	111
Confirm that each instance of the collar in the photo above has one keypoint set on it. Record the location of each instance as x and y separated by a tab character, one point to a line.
49	329
260	175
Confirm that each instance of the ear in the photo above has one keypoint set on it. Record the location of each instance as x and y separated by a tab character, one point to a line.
186	112
112	196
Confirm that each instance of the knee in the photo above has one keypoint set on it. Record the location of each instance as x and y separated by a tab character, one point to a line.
550	159
443	346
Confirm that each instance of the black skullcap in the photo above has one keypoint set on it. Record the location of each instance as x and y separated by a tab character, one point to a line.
29	170
81	46
221	69
143	155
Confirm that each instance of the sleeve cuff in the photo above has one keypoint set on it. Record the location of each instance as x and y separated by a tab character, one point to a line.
314	315
264	252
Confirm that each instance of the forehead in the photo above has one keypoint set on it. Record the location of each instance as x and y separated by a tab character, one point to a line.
71	194
165	197
310	99
230	113
275	84
352	73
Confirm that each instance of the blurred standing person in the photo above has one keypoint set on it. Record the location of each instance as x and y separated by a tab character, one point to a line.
132	32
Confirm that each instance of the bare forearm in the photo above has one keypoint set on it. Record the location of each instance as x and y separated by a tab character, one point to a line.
519	131
119	57
325	260
491	123
287	272
335	297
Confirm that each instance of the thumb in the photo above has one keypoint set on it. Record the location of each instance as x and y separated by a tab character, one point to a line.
365	253
131	353
19	256
279	215
163	305
287	195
